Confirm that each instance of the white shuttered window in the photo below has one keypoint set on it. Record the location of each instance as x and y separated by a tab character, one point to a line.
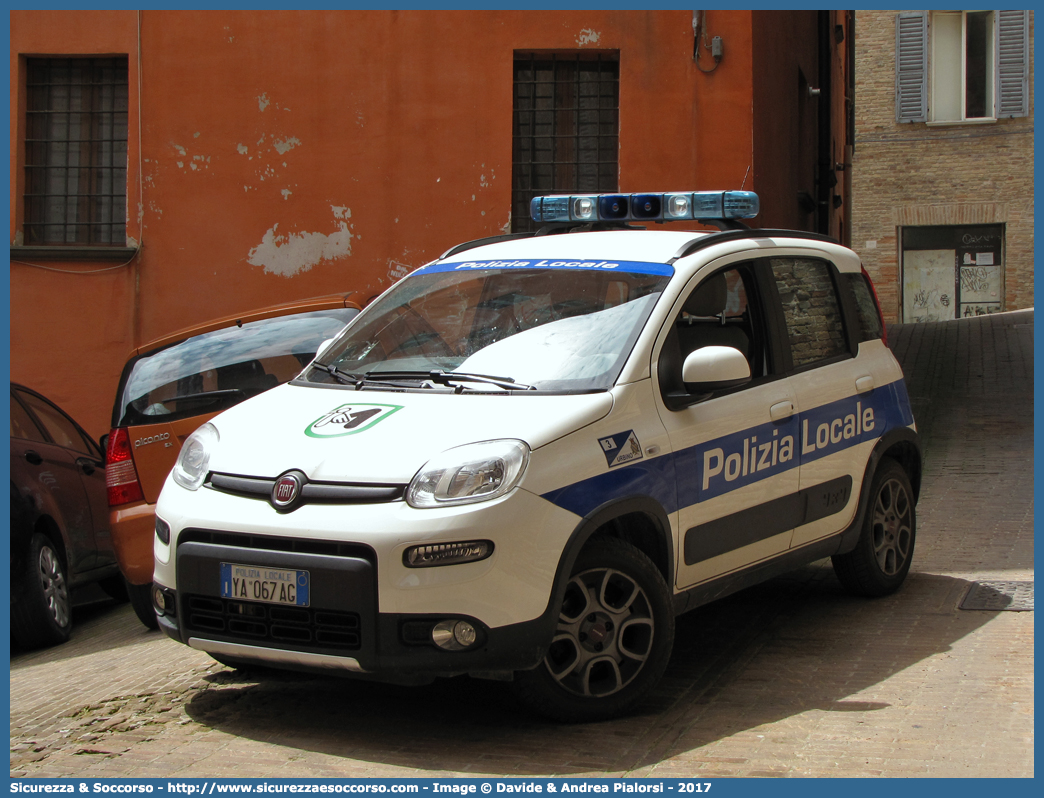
959	66
911	66
1012	64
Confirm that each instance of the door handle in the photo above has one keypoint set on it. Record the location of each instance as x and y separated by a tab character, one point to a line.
865	384
781	410
33	457
86	465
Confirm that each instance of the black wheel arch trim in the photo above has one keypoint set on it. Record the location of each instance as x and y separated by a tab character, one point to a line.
903	437
596	520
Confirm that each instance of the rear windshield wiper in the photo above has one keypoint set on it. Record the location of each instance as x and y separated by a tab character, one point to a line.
441	377
206	396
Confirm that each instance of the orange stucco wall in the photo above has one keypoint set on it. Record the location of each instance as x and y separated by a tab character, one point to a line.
290	154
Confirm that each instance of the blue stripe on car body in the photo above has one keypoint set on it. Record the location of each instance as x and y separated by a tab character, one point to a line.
848	422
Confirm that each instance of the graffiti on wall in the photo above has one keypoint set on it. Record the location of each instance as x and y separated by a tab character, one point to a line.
928	285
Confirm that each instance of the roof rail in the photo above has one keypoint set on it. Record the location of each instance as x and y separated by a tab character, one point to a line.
730	230
481	242
546	230
737	235
555	228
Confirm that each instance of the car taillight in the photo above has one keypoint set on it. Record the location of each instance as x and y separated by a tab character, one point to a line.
121	476
877	304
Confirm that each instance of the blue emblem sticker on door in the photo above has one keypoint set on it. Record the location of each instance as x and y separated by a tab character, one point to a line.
623	447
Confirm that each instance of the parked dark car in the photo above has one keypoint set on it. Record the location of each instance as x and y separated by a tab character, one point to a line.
59	519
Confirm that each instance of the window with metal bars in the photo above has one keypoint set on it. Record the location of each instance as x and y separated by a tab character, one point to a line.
566	127
76	152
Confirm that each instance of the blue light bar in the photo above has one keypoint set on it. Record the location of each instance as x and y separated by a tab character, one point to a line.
658	207
741	204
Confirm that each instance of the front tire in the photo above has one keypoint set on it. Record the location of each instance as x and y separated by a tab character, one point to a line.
613	640
43	615
881	558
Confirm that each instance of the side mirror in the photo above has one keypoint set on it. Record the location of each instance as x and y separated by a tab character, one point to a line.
714	368
103	443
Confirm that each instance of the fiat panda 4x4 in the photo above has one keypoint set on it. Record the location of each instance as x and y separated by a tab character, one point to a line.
527	457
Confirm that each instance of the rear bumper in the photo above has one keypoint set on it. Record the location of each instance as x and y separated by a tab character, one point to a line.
133	527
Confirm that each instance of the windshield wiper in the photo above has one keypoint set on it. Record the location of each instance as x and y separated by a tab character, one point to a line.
359	380
342	376
452	378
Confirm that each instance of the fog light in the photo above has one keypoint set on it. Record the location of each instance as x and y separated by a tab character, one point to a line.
159	599
454	635
446	553
163	601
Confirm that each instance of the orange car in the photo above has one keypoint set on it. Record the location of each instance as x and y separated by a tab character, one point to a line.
174	384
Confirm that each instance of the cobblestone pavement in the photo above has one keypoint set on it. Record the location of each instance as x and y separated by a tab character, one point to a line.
791	678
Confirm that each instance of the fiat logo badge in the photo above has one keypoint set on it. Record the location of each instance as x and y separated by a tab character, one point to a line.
286	490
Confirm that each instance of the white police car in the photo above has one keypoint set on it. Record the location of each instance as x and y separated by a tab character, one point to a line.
524	459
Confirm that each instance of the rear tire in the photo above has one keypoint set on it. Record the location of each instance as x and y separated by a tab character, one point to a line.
43	614
141	600
881	558
613	641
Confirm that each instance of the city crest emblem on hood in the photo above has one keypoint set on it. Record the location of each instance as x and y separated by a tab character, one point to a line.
349	419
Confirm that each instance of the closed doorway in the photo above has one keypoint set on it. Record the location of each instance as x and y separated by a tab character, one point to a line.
952	272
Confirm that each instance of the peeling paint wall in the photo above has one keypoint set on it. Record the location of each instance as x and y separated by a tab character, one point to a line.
292	253
588	37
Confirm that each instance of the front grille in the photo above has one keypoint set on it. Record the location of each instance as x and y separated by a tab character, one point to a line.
263	623
242	540
311	492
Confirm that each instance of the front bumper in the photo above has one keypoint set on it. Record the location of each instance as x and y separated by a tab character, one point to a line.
387	656
368	612
340	630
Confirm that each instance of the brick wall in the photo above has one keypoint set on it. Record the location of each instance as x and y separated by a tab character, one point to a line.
916	174
810	308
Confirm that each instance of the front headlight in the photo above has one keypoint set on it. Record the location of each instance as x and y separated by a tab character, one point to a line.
472	473
191	468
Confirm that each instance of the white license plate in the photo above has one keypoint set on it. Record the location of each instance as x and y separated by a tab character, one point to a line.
260	583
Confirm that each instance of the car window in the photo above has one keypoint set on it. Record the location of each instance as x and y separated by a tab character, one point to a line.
866	309
59	426
811	310
720	311
557	328
215	370
22	424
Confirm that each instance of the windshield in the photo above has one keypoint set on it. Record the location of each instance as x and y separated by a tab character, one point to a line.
218	369
560	328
